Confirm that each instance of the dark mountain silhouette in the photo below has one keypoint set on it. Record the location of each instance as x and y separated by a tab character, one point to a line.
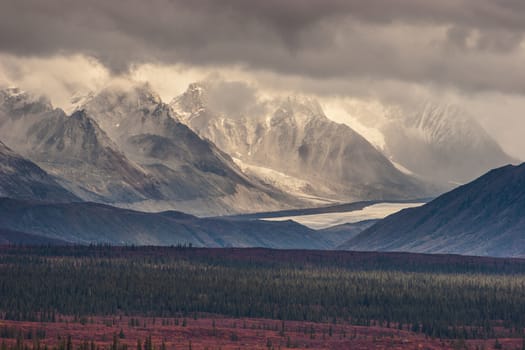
484	217
86	223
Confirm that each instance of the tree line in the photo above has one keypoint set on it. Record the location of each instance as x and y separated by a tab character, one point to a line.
37	287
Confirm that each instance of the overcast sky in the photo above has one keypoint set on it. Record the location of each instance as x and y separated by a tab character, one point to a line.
395	52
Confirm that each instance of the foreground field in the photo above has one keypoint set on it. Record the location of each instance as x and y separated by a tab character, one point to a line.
257	298
222	333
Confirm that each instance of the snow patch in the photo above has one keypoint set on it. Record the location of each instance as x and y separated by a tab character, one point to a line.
286	183
401	168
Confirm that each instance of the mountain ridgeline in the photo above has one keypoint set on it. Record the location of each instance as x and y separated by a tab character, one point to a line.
484	217
73	149
124	165
124	147
292	137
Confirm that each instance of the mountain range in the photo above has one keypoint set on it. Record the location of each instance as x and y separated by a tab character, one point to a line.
124	165
292	144
126	148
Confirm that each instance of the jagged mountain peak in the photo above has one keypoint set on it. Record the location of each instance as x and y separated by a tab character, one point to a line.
301	111
187	167
292	136
133	95
77	136
126	93
195	106
193	101
124	111
198	90
76	150
196	97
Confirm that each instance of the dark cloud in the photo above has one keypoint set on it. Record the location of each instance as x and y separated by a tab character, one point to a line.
469	44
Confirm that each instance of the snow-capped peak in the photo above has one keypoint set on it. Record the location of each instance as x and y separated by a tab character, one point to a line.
192	101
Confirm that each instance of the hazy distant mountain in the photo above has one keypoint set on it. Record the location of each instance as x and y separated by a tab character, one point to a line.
439	142
484	217
96	223
293	145
20	178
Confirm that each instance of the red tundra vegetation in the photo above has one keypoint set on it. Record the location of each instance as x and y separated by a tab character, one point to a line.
216	332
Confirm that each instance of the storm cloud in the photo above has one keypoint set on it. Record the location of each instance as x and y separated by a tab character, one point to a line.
397	52
473	45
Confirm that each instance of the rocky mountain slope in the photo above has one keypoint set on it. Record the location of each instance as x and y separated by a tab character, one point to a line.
74	149
126	147
191	172
22	179
292	138
484	217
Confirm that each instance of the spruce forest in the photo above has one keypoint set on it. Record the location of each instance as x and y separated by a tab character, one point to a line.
444	297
